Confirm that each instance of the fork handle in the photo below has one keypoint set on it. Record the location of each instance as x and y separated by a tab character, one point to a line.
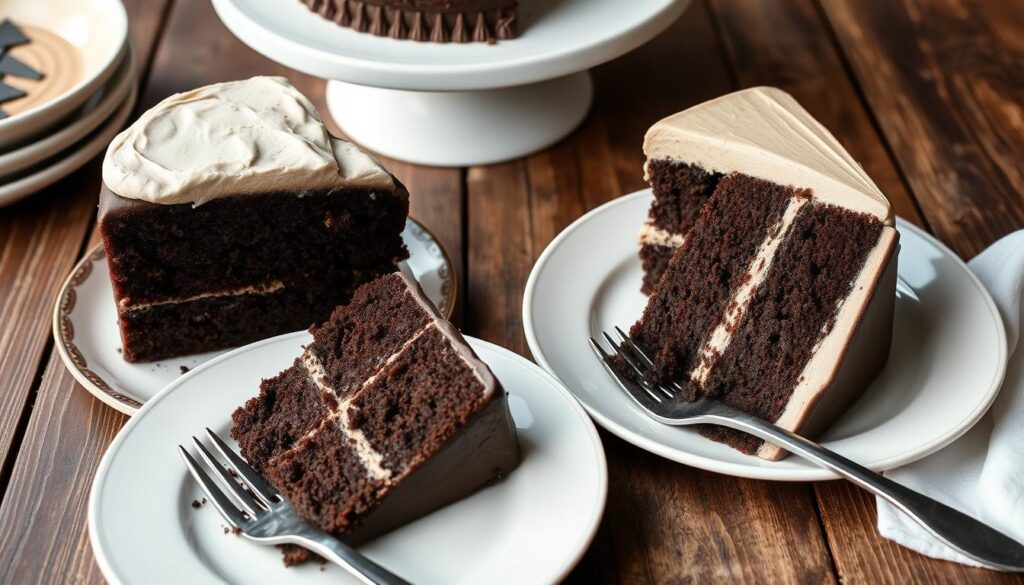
348	558
956	529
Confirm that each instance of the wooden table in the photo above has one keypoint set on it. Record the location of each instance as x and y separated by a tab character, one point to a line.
927	94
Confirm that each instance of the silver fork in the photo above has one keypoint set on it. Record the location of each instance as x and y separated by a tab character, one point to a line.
664	404
261	514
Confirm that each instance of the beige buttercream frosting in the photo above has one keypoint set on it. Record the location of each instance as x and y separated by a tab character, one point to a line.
253	136
763	132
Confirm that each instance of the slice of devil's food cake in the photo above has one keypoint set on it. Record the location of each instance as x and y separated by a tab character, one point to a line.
779	298
229	214
386	416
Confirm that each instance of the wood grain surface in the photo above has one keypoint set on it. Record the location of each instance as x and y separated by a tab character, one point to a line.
927	95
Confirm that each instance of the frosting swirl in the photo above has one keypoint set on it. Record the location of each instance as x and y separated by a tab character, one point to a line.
240	137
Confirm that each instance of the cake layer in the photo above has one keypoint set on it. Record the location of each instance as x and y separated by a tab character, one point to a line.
171	329
707	271
846	360
159	252
793	309
323	478
289	406
459	21
680	191
408	410
654	260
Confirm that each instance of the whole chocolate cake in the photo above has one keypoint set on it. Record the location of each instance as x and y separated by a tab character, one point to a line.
778	297
437	21
386	416
229	214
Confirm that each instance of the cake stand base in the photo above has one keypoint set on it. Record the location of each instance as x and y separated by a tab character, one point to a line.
460	128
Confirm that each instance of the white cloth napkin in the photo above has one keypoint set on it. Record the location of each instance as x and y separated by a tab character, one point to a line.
981	473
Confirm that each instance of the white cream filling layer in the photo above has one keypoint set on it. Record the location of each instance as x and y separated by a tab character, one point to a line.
652	235
260	289
723	333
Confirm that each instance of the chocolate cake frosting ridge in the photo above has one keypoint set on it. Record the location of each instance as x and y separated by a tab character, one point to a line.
252	136
763	132
443	21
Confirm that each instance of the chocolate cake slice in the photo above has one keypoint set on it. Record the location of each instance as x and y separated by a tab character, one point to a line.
386	416
436	21
779	299
229	214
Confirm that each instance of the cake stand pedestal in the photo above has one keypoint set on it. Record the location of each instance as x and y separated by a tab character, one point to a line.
452	104
460	128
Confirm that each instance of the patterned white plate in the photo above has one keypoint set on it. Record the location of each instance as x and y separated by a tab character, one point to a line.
88	338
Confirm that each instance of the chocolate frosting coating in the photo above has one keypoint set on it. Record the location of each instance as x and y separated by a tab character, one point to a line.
439	21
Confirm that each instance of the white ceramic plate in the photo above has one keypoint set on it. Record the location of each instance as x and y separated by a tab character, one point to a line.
946	365
86	333
98	29
97	109
67	161
531	527
558	38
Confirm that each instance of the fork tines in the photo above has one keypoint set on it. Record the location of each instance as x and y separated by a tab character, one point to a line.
239	500
633	370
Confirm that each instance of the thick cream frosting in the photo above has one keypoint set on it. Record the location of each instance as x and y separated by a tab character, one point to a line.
765	133
240	137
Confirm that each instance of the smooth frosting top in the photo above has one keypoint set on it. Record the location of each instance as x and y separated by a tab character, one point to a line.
763	132
253	136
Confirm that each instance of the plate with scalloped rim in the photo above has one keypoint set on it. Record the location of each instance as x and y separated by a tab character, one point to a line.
924	399
530	527
88	339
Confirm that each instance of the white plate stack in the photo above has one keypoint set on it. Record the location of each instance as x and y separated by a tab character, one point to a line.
46	142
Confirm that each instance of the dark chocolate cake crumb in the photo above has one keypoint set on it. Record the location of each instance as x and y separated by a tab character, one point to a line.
793	307
196	504
409	386
274	243
183	369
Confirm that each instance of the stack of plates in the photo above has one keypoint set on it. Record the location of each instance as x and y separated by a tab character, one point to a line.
47	142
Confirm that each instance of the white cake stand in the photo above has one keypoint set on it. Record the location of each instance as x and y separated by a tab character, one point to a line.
455	104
